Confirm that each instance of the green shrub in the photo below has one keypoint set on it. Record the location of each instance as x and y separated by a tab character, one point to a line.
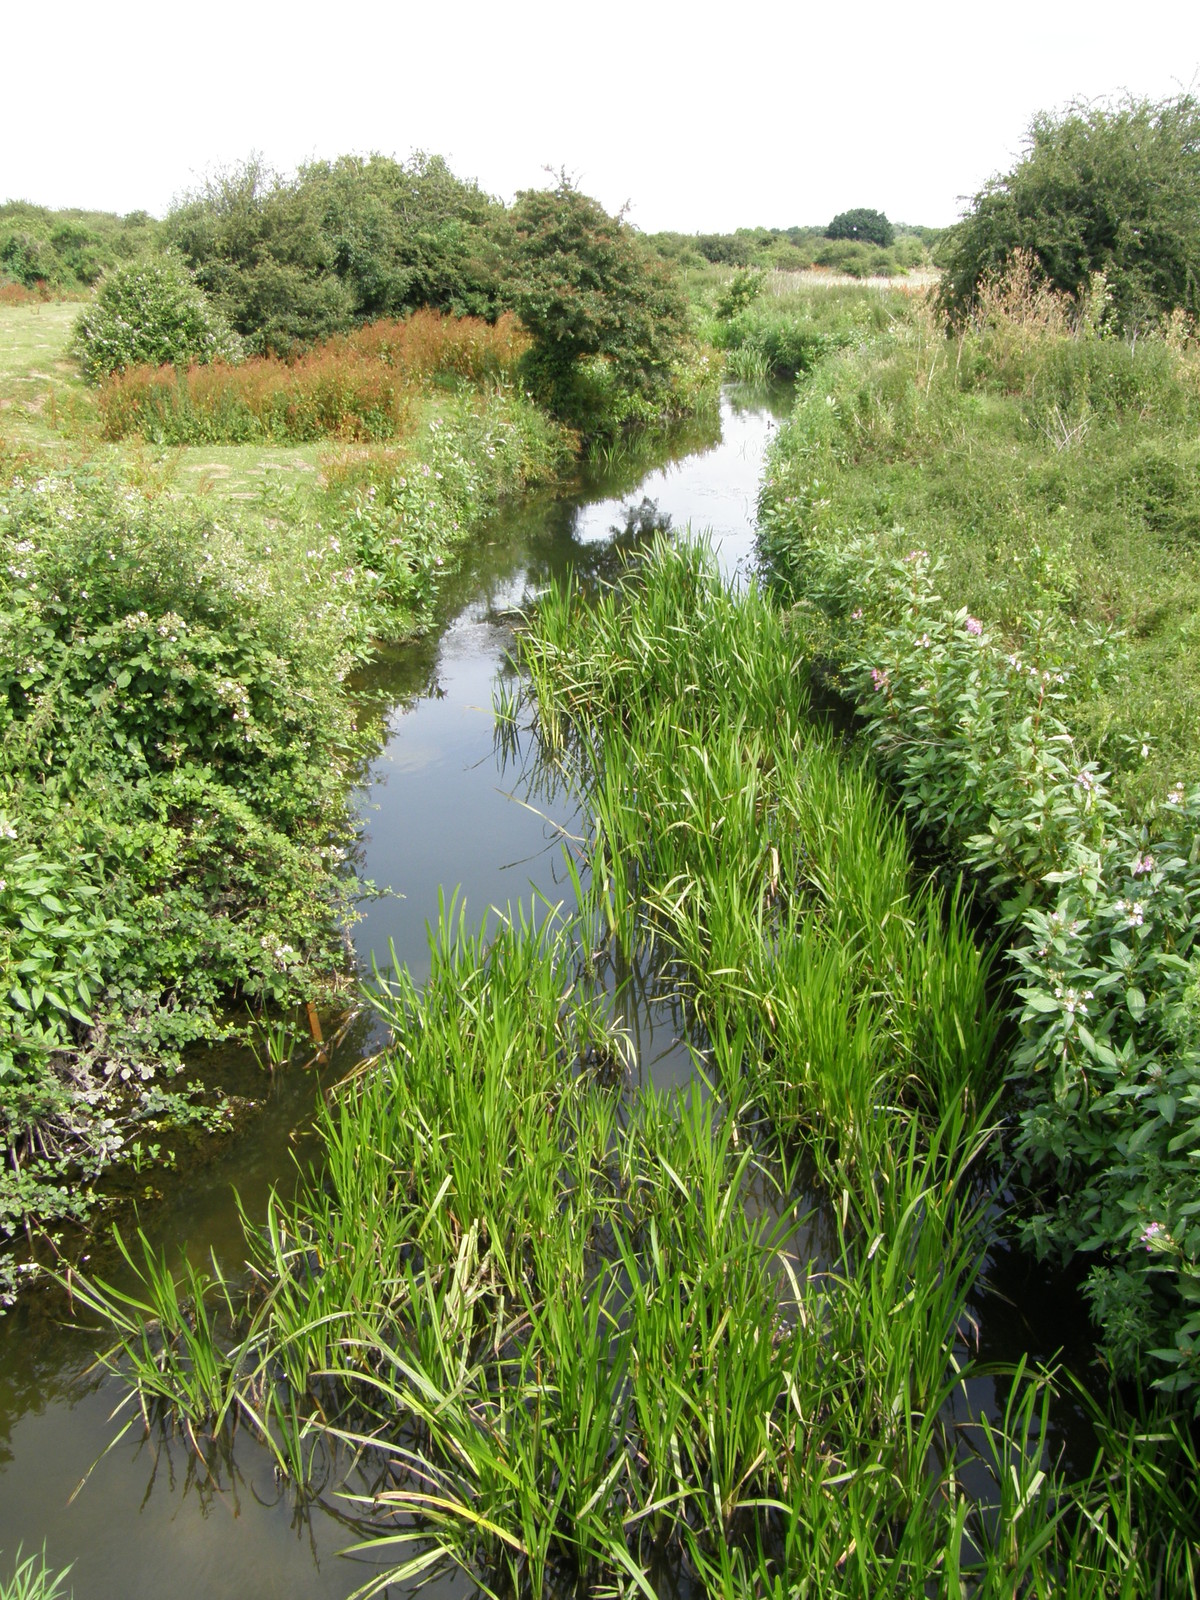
150	312
1108	189
586	288
863	225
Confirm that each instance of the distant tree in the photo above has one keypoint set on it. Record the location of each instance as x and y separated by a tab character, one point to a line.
585	285
1111	188
864	226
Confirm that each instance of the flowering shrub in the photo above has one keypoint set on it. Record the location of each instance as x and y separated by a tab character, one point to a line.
150	312
1102	914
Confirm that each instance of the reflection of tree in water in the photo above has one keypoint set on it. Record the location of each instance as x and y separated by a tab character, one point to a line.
642	521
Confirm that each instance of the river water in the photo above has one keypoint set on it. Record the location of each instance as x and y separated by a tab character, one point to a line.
446	808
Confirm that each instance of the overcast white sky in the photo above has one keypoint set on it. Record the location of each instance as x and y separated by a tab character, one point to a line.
705	117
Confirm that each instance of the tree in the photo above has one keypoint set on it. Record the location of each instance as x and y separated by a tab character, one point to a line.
863	225
292	260
1111	188
587	286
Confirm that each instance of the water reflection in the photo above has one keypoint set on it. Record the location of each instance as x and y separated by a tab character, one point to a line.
444	803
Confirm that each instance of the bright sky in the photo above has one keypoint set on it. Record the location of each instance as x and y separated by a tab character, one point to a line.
705	117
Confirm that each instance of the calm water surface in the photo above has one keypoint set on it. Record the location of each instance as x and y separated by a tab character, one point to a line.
443	809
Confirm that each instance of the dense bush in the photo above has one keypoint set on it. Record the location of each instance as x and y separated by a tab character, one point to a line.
863	225
586	287
1112	189
292	261
150	311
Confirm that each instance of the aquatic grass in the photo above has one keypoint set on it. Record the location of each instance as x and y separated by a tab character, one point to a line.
32	1579
725	825
581	1333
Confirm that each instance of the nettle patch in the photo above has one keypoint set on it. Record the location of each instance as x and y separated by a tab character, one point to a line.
1102	912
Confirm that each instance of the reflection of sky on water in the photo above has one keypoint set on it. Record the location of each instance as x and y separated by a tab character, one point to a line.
440	809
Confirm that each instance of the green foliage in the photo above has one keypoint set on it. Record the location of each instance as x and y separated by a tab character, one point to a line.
150	312
786	335
408	234
742	290
68	250
292	261
794	250
864	225
858	259
1101	910
586	288
1109	188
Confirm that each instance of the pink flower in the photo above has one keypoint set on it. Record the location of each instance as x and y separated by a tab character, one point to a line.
879	678
973	625
1142	865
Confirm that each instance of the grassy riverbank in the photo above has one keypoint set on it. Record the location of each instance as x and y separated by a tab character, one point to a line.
178	741
988	543
592	1334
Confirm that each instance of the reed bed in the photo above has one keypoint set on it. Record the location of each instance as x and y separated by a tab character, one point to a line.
593	1339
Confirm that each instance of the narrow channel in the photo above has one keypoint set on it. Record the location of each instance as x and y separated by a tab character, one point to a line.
446	808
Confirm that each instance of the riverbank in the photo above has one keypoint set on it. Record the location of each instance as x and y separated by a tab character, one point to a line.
179	742
987	541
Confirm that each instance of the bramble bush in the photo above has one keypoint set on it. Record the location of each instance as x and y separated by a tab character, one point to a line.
174	739
154	312
1102	913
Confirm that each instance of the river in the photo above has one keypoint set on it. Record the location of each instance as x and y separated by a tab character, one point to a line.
445	807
